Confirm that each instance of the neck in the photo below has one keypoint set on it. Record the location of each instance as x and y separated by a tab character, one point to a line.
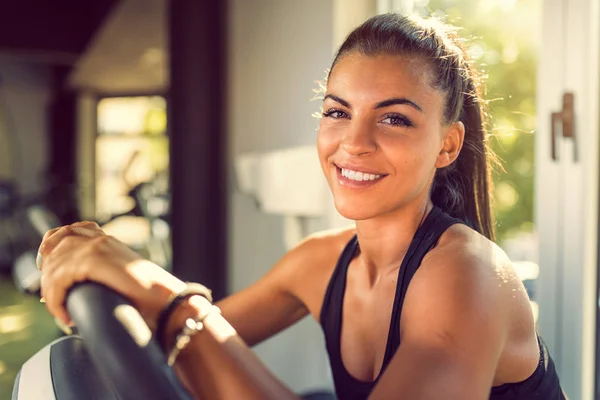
384	240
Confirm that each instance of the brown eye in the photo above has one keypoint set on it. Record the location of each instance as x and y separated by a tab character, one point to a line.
397	120
336	114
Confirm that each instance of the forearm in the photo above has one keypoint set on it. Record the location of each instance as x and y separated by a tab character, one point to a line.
217	364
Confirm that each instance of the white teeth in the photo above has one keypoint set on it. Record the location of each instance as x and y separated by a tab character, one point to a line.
359	176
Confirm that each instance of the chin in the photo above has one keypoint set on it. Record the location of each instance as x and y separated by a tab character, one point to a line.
354	211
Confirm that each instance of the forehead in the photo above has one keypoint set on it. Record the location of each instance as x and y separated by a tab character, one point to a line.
368	79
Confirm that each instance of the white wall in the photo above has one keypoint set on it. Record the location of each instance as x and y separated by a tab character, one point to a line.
24	97
278	49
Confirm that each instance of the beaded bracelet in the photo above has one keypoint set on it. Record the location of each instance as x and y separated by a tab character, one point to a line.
191	327
192	289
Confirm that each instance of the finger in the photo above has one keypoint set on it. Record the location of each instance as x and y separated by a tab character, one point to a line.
56	237
88	225
48	295
42	299
59	278
39	257
53	236
85	228
56	260
83	224
50	237
50	233
38	260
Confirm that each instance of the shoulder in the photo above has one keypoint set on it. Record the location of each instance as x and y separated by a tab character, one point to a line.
307	268
467	281
322	246
456	319
462	250
315	253
295	284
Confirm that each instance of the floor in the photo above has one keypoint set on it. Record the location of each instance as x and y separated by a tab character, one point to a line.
25	327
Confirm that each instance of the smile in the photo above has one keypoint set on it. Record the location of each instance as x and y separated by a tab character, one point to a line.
357	179
358	176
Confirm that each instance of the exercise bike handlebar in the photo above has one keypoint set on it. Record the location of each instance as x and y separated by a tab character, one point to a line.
120	344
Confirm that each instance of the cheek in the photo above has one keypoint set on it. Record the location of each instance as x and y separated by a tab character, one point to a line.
409	155
326	144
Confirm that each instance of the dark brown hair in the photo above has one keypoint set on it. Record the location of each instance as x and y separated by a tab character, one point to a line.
462	189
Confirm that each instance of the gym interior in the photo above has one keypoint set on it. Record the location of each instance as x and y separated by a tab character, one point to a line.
186	129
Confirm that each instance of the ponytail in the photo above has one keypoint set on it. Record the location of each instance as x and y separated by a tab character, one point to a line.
464	188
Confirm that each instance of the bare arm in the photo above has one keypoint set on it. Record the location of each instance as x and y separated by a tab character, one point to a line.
269	305
454	327
295	286
218	364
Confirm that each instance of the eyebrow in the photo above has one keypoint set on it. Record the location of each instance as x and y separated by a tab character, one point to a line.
381	104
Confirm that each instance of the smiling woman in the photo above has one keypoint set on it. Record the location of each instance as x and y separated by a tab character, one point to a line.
453	95
415	299
381	124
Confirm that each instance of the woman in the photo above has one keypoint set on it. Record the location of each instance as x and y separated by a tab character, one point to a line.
416	301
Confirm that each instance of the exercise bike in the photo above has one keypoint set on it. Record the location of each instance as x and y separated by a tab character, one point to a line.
113	356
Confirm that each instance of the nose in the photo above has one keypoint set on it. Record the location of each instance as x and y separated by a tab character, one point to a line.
358	139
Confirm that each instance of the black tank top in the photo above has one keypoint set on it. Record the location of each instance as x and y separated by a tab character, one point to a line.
542	384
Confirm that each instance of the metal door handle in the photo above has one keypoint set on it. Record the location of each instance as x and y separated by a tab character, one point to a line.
566	118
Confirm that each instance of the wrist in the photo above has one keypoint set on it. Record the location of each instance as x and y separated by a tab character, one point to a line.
191	307
153	289
181	304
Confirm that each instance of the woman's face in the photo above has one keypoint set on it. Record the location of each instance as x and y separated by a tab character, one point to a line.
382	134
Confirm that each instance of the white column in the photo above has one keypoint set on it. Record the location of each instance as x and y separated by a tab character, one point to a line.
566	208
580	217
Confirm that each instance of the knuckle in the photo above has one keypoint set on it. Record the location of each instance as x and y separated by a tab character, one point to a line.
54	237
49	274
110	239
84	271
52	231
66	230
99	242
87	224
69	240
102	239
49	233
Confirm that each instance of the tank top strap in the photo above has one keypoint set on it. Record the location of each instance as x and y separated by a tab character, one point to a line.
426	237
331	315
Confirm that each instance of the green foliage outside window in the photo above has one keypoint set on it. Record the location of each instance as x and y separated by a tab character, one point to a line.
503	39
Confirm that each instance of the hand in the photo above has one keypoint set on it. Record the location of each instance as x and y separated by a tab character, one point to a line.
83	252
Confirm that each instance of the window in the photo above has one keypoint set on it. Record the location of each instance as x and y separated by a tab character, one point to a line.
132	160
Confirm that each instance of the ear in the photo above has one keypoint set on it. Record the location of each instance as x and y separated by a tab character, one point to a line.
454	136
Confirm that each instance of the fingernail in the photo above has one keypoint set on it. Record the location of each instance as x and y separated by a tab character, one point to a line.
38	260
63	326
42	300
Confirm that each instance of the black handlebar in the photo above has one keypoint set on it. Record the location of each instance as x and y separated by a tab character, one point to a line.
119	343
